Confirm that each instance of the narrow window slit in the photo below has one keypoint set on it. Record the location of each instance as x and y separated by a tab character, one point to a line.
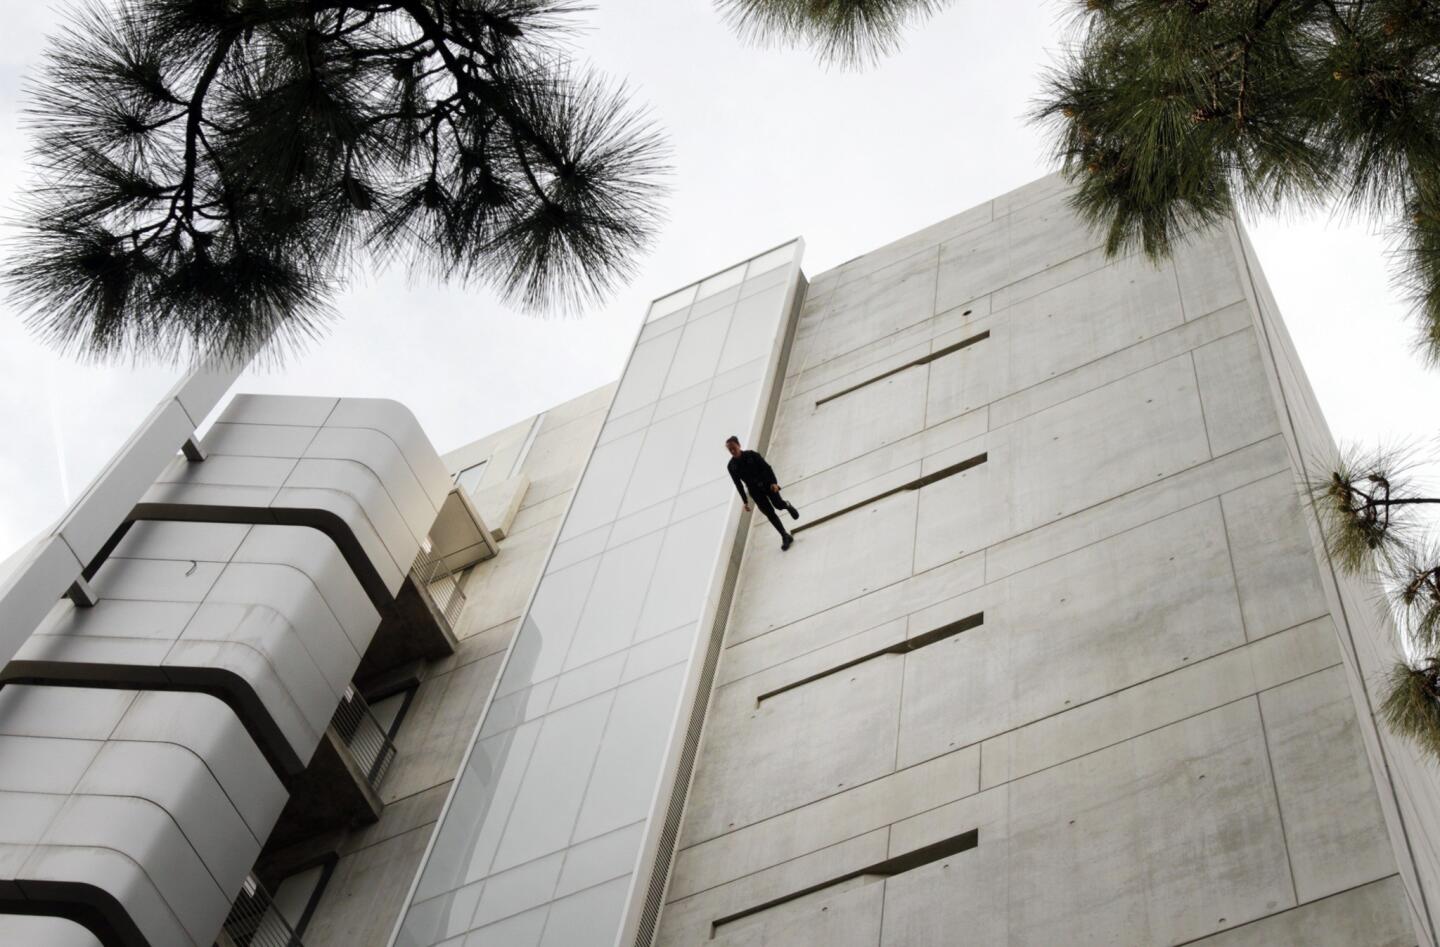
922	360
909	861
915	484
905	646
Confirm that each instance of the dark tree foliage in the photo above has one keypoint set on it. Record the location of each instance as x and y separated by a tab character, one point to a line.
842	32
210	169
1169	113
1369	509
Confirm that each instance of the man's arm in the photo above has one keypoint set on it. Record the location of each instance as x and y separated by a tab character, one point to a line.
739	487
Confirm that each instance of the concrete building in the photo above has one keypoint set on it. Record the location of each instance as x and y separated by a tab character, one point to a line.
1058	656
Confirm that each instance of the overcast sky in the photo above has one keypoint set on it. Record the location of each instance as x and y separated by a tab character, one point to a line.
767	146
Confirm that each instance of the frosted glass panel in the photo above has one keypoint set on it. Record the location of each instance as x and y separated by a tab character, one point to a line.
721	282
541	840
768	261
645	377
698	352
672	303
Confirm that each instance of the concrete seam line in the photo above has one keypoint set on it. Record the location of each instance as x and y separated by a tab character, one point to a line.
916	484
903	646
913	363
895	865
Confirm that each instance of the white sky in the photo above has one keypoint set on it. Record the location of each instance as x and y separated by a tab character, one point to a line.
768	145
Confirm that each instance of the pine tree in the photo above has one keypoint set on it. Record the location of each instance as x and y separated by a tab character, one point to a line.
210	170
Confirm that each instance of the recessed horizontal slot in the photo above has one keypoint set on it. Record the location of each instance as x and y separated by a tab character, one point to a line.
922	360
915	484
905	646
909	861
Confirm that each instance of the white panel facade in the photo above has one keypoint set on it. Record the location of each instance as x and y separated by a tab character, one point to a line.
551	831
149	739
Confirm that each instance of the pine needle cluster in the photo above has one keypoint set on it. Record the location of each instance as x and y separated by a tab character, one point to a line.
209	170
846	33
1170	113
1412	704
1368	508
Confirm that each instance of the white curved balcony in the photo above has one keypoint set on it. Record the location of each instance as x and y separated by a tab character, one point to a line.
358	469
138	813
268	618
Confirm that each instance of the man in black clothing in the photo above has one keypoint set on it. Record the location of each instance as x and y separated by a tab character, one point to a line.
749	469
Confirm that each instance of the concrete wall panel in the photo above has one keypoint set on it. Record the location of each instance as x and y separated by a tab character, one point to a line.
853	424
690	920
1372	915
1274	564
1160	701
1238	407
1014	247
811	727
825	822
1327	796
875	305
1102	312
1102	444
847	915
1135	545
1209	273
854	554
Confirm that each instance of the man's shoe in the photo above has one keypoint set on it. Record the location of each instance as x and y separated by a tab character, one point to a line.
785	543
794	513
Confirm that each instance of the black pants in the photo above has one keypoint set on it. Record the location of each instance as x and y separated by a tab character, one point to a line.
767	502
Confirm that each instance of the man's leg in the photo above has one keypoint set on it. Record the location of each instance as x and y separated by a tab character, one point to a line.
762	503
784	504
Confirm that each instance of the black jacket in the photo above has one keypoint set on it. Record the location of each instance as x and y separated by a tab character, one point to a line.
751	470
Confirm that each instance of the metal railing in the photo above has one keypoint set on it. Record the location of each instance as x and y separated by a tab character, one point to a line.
439	583
254	921
362	734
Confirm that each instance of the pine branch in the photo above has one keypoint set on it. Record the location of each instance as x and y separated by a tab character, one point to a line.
194	113
1290	103
209	174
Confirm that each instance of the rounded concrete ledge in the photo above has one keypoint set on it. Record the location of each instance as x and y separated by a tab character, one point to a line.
359	470
276	629
137	815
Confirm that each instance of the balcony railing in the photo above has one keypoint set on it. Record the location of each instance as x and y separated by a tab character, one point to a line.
438	582
362	734
254	921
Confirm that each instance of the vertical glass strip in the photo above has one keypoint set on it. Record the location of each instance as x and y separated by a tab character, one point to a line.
548	822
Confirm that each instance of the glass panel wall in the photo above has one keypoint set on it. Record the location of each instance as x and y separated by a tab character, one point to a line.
541	841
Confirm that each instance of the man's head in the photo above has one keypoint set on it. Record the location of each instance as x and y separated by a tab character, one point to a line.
732	444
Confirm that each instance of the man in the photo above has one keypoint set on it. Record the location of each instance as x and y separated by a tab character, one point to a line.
749	469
